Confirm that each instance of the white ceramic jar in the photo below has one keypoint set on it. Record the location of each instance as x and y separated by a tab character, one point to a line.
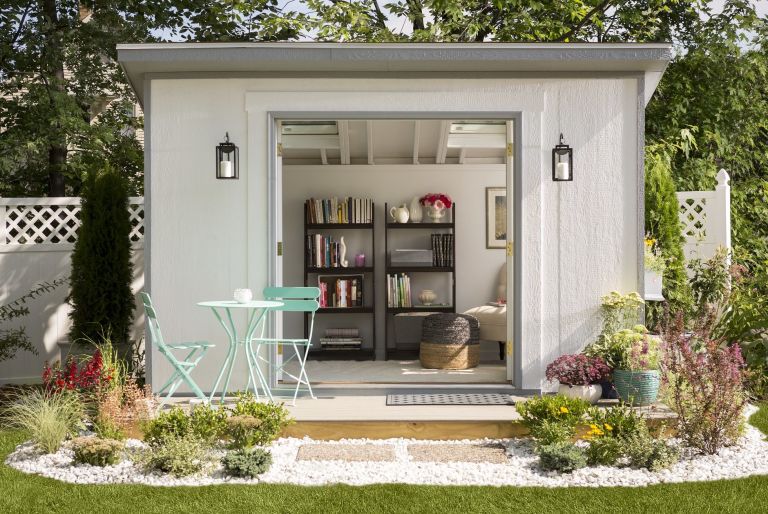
243	295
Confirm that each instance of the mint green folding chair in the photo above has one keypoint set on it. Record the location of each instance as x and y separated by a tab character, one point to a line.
182	368
294	299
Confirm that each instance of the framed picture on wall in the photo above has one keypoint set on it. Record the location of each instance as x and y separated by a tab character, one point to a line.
495	217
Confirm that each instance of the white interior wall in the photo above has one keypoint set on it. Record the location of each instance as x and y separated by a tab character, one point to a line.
477	267
578	239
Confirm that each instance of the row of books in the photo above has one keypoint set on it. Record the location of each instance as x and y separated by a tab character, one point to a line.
335	210
341	339
341	291
442	250
323	251
399	291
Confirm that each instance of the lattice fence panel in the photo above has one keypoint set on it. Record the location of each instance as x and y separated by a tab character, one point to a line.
693	217
32	221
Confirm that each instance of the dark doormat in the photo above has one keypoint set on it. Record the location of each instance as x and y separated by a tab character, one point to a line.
450	399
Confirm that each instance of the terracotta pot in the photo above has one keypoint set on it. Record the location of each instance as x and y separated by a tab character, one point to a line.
590	393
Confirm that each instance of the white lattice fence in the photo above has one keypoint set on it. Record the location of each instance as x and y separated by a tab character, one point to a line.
53	221
706	218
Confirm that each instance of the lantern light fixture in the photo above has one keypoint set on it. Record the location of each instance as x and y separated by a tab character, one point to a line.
562	162
227	160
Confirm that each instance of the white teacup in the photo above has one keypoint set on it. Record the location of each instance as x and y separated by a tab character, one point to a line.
243	295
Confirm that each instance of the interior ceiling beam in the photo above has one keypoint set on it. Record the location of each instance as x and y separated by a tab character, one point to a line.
344	141
323	156
462	155
477	141
416	135
369	133
442	143
312	141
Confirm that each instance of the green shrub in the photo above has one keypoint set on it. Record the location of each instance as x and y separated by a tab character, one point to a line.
643	451
617	421
48	417
179	455
273	417
97	451
552	418
203	421
548	432
564	457
247	463
243	431
102	271
604	451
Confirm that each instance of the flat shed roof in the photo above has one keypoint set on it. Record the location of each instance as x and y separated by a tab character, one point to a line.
377	59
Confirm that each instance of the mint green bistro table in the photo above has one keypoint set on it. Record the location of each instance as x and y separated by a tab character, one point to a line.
257	311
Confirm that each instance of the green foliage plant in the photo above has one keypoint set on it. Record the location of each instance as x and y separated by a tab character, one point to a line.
243	432
203	422
644	451
48	417
273	417
247	463
613	348
563	456
617	421
552	418
102	270
97	451
604	451
179	455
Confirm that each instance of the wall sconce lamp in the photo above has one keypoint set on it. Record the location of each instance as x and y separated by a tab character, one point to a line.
562	162
227	160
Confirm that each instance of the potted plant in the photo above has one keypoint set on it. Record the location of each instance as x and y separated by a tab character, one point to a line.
436	204
637	376
579	376
654	268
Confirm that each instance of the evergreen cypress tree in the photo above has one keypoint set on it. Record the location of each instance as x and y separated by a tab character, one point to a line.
663	224
102	272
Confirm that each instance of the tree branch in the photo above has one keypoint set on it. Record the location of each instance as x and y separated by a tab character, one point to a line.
381	20
601	7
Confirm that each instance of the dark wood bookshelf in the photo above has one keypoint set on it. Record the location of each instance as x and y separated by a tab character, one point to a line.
367	271
389	269
340	270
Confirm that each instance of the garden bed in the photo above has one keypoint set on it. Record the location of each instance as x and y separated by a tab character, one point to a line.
749	457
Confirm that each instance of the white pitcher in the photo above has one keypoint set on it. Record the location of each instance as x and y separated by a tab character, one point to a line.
399	214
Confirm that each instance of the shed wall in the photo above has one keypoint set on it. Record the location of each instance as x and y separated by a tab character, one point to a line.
579	239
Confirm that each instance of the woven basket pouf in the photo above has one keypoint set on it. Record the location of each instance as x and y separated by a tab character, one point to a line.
450	341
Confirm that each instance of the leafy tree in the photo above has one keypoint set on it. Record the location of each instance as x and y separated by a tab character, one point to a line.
65	104
663	225
102	272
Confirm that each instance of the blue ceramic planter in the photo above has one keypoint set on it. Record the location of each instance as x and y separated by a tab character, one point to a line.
637	387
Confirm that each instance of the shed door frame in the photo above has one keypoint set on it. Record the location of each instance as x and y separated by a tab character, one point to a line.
514	188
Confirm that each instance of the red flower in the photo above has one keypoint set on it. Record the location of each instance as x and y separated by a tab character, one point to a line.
432	198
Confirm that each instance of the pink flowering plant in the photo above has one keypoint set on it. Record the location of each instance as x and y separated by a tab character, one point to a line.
578	369
438	200
704	377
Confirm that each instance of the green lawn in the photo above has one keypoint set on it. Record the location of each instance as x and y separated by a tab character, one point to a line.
25	493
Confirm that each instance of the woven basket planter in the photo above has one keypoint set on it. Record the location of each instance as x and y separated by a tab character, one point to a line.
449	356
450	341
637	387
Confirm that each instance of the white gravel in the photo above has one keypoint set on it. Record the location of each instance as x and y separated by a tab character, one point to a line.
749	457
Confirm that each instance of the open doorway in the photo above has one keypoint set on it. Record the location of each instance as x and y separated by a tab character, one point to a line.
350	193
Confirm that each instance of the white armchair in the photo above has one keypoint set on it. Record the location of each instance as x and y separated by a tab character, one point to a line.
493	318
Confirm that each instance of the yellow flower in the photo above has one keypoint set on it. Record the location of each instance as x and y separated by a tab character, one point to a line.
649	241
564	410
593	427
608	427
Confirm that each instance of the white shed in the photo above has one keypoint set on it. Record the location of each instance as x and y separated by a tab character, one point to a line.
390	122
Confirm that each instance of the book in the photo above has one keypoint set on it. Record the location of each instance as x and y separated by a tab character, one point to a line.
336	291
335	210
